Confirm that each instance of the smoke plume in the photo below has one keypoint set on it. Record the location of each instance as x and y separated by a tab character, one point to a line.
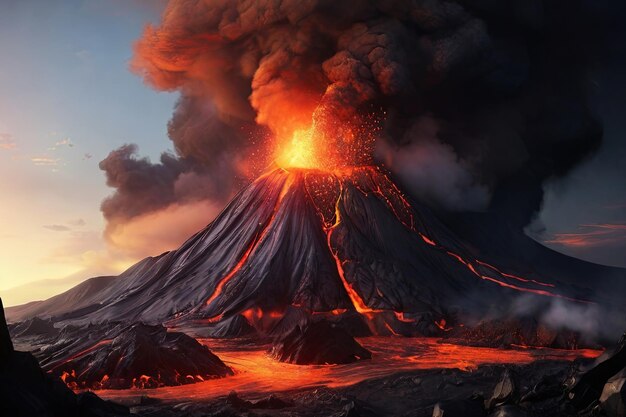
502	88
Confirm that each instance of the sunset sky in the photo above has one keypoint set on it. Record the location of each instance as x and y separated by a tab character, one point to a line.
67	98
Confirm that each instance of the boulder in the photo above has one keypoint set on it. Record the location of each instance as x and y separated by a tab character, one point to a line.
613	398
318	343
141	356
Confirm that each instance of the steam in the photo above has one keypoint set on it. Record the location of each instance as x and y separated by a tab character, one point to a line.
506	86
595	322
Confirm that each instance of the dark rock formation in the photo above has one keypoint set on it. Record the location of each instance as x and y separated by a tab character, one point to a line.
26	390
6	346
34	327
319	343
141	356
613	399
515	331
270	403
587	388
234	327
505	391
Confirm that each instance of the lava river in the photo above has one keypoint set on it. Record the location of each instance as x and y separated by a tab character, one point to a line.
257	373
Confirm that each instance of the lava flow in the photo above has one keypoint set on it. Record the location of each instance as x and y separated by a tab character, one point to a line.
256	372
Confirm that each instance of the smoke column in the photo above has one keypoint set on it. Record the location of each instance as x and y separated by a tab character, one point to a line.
480	101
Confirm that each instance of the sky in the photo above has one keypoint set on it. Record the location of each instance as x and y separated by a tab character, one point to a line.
67	98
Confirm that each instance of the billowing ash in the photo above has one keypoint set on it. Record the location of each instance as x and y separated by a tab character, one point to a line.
480	101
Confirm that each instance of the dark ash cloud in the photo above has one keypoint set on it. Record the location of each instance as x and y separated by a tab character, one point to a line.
505	84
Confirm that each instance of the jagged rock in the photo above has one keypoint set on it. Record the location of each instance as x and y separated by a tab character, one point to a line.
549	386
461	408
508	411
142	356
35	327
291	319
350	410
586	390
233	327
504	392
353	323
613	398
26	390
515	331
6	345
318	343
270	403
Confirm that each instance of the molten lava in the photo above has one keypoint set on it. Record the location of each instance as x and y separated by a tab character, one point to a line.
256	372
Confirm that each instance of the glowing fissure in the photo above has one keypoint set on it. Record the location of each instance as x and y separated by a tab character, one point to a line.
377	190
81	353
545	284
357	301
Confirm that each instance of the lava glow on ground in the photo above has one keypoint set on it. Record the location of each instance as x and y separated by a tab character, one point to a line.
258	373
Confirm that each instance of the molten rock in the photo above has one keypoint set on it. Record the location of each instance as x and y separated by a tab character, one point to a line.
318	343
141	356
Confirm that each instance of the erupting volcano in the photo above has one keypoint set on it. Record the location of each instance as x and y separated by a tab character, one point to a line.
320	239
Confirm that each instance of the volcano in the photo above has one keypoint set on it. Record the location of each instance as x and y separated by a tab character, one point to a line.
323	242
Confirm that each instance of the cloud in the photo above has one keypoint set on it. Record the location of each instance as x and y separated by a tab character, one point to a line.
591	235
61	143
159	231
77	222
432	171
251	72
45	161
7	142
57	227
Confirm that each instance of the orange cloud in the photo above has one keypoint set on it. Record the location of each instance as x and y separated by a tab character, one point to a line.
7	142
601	234
156	232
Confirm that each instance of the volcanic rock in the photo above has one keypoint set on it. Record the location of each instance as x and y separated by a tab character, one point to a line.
270	403
318	343
26	390
508	411
613	398
504	392
587	388
233	327
6	346
515	331
141	356
464	408
35	327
